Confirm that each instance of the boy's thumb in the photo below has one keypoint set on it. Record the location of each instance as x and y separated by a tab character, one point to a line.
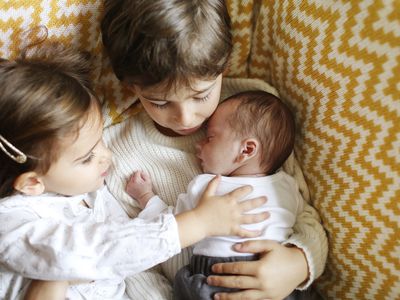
258	246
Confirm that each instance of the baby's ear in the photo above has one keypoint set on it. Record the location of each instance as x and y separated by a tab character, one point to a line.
248	149
29	183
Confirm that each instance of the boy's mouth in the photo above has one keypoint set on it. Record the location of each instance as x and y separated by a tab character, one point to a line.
188	130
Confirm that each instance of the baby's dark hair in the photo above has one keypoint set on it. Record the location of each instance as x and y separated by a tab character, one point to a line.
267	118
44	96
166	41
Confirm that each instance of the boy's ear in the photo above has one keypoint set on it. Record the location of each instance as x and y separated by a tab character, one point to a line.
248	149
131	87
29	183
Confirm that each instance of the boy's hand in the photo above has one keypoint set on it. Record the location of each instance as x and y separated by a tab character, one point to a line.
140	188
262	279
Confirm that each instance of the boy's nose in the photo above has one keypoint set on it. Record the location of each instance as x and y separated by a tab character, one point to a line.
185	116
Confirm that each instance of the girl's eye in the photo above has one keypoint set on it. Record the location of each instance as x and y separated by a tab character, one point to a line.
88	159
160	106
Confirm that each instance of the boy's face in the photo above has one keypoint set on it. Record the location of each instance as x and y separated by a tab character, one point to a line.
83	162
182	110
219	151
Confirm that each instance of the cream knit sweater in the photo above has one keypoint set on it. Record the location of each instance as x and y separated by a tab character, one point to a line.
171	163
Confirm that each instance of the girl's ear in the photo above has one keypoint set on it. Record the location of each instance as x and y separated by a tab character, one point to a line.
248	149
29	183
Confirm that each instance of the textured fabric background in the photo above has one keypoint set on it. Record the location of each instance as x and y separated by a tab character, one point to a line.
337	63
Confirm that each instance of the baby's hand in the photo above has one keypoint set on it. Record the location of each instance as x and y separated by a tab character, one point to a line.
140	188
223	215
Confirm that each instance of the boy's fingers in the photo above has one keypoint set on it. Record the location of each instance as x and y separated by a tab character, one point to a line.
248	268
212	186
239	282
259	246
245	294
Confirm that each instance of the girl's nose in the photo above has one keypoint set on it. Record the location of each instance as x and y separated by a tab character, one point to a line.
106	154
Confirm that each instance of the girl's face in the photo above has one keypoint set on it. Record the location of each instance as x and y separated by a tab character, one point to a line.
83	162
182	110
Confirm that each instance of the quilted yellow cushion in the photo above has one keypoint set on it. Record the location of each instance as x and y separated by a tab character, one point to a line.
337	63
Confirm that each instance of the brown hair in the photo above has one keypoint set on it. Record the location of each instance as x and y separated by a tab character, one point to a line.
267	118
43	97
166	41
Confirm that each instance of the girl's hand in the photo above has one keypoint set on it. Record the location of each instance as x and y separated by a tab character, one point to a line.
47	290
219	215
278	272
140	188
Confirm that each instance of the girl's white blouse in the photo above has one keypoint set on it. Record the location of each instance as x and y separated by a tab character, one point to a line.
53	237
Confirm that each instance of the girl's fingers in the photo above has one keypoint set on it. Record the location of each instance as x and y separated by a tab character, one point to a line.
254	218
240	193
244	233
212	186
253	203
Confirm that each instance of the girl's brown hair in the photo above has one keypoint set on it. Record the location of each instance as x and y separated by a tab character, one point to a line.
166	41
265	117
44	96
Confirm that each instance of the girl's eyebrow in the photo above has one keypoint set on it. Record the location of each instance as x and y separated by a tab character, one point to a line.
91	149
151	98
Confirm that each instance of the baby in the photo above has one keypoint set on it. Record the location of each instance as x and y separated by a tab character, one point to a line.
249	137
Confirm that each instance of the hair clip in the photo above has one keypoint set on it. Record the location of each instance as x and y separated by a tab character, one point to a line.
18	157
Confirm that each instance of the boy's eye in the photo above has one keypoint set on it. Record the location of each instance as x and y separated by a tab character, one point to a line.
205	98
88	159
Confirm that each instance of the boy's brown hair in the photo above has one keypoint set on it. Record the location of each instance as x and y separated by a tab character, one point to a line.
166	41
265	117
44	97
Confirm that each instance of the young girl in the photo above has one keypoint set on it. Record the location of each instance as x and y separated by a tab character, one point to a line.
172	54
57	220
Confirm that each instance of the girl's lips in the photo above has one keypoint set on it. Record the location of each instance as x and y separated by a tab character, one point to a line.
104	174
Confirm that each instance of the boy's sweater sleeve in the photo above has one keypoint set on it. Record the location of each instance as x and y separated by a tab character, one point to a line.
310	237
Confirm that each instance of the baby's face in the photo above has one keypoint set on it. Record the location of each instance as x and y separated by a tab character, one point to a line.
83	162
218	152
181	110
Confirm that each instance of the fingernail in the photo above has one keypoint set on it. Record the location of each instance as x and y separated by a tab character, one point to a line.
238	246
